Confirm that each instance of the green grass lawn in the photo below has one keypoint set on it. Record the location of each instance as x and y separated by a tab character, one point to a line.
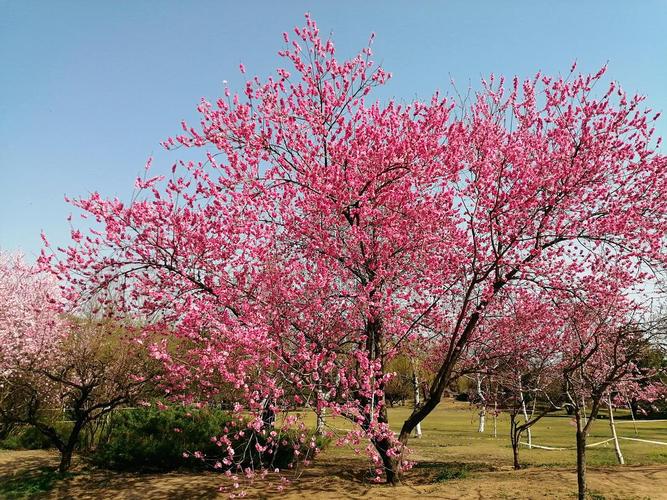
450	435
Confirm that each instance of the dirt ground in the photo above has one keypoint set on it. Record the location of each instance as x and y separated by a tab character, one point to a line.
329	479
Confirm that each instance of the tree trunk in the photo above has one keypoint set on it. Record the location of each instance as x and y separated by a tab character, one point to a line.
632	415
482	410
390	465
321	421
67	449
525	417
65	459
515	454
268	413
417	401
515	437
444	374
583	409
377	406
495	419
581	457
416	417
612	424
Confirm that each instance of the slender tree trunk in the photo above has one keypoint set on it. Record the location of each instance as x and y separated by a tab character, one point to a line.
417	400
612	425
444	374
495	419
65	459
515	454
583	410
581	457
67	448
268	413
515	437
525	416
632	415
461	336
482	410
321	421
532	415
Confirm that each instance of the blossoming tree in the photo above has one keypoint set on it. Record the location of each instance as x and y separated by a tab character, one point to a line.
320	231
53	367
603	340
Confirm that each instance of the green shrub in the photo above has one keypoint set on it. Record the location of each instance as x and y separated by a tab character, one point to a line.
153	440
26	438
148	439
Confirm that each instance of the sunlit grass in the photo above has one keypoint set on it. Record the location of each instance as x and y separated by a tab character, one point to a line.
450	435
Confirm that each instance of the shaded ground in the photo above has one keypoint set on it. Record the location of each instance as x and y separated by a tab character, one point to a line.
454	461
329	479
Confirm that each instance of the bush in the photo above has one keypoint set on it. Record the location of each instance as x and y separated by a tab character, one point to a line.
26	438
149	440
462	396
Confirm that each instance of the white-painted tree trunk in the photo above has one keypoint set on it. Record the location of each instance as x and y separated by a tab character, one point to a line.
417	400
612	425
632	415
495	419
583	410
482	410
321	421
529	434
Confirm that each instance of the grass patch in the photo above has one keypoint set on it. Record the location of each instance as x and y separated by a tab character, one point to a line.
452	471
457	470
28	484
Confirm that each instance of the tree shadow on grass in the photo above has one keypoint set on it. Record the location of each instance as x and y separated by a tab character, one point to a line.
352	478
29	483
26	474
29	474
329	478
102	484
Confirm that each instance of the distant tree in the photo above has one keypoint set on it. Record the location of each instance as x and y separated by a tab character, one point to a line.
400	385
603	337
521	361
53	368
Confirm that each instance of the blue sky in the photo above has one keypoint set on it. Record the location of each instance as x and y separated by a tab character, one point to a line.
88	89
